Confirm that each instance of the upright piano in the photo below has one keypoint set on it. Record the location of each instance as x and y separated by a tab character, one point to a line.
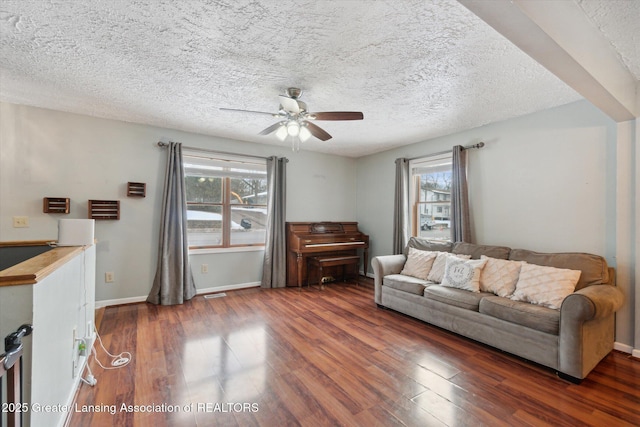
305	239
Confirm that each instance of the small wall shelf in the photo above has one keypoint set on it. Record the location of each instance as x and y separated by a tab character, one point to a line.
136	189
55	205
104	209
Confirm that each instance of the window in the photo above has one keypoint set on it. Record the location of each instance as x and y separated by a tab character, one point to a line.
431	197
226	201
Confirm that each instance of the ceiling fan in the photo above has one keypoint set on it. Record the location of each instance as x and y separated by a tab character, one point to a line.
297	120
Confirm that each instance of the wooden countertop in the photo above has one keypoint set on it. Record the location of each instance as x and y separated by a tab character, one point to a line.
37	268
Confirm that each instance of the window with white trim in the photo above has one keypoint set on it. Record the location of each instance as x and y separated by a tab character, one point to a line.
431	196
226	200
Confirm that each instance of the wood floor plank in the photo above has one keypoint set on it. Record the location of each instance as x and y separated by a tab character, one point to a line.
284	357
334	401
410	413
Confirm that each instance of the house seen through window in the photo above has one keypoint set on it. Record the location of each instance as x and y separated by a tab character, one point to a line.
431	197
226	201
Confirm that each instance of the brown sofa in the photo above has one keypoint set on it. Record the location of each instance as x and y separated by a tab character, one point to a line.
571	339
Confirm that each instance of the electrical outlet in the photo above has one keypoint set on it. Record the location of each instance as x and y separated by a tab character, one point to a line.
20	222
204	268
82	348
109	277
89	329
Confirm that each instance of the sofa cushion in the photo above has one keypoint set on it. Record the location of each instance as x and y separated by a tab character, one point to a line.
547	286
437	269
427	245
405	283
463	274
593	267
418	263
455	297
532	316
499	276
476	251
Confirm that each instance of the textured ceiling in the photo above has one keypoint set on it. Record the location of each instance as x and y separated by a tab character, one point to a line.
619	22
416	69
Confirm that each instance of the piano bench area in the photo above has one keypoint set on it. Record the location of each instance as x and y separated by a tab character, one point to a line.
318	263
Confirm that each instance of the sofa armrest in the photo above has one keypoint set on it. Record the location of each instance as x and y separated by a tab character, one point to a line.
383	266
592	302
587	328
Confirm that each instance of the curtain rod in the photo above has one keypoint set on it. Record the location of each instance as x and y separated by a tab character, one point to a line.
468	147
164	144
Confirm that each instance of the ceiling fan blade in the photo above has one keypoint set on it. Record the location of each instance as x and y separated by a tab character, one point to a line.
250	111
289	104
337	115
317	131
271	128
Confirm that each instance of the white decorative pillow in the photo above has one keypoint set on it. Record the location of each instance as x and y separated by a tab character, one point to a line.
418	263
437	269
463	274
500	276
546	286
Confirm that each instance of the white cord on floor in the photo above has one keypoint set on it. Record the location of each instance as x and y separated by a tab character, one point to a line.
117	361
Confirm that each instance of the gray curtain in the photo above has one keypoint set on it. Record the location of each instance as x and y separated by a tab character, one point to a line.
173	283
401	217
460	223
274	268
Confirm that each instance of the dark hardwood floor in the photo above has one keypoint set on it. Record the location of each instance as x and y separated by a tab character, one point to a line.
328	358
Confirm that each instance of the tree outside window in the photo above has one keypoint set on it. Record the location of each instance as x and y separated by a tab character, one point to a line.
226	202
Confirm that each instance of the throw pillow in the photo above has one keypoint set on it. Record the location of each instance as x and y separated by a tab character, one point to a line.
439	264
546	286
418	263
500	276
463	274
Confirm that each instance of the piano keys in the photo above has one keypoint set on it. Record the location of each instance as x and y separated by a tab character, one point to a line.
305	239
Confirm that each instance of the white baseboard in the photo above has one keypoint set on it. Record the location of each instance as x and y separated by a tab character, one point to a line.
626	349
119	301
132	300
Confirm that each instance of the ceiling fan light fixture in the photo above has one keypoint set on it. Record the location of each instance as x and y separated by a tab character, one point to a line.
296	121
304	134
282	133
293	128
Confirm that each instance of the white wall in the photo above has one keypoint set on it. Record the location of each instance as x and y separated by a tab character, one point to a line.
57	305
66	296
46	153
545	181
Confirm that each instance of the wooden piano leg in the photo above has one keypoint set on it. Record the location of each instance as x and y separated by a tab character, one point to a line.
357	272
300	263
365	255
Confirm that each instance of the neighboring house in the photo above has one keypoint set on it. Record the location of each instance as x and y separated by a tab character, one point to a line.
437	211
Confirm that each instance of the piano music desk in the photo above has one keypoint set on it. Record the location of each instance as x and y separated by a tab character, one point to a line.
319	262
